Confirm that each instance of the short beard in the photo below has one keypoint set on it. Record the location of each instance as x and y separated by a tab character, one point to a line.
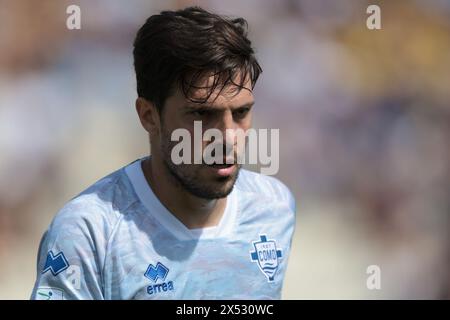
199	189
190	182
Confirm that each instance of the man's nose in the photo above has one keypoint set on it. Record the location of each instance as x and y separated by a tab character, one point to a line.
227	126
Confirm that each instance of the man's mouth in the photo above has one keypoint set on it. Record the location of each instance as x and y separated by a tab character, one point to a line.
222	170
221	166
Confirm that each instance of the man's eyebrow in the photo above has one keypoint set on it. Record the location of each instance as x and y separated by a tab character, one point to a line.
248	104
197	106
201	106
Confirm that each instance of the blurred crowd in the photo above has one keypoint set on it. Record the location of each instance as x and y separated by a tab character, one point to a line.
364	119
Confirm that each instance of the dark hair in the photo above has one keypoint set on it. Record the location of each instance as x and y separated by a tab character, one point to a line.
178	48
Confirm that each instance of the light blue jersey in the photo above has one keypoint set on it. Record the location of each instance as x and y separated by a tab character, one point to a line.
116	240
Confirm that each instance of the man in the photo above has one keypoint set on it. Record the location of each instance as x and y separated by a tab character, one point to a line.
160	230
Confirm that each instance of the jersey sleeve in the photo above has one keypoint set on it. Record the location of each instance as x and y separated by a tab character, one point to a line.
284	194
71	256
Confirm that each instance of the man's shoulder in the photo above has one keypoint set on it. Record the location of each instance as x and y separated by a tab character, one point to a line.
104	202
264	186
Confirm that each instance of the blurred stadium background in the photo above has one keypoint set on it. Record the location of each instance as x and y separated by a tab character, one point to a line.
364	120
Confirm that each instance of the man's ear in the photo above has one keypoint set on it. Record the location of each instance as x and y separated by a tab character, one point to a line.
148	115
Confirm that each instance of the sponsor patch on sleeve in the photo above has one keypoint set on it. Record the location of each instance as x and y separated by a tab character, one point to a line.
49	293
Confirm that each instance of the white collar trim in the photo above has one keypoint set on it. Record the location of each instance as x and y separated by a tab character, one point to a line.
168	220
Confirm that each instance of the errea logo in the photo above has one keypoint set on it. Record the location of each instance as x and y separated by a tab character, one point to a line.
55	263
158	273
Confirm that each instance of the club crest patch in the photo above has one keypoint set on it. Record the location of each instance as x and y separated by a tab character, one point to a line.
267	256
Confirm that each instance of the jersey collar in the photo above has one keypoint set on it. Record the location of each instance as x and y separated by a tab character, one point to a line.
168	220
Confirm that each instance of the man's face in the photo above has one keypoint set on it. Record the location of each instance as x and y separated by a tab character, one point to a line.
228	111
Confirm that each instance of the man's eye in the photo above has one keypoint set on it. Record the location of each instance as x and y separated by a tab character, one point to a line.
199	113
240	113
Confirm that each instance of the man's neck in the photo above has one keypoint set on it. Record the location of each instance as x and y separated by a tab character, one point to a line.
192	211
